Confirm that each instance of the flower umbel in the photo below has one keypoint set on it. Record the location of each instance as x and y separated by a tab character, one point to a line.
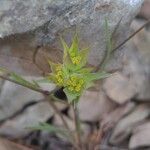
72	74
59	76
75	84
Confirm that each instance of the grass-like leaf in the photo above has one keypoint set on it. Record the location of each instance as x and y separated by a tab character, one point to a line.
22	81
50	128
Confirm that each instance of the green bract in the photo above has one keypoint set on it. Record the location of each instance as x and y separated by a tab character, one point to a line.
72	74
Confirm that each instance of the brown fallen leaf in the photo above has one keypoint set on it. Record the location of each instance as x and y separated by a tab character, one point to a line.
9	145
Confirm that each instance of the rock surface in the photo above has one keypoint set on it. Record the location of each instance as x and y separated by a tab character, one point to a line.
140	137
93	105
17	127
119	88
137	62
14	97
64	17
125	126
145	10
109	120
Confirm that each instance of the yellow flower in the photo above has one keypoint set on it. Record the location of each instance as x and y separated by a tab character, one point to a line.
78	88
75	84
58	68
76	60
59	76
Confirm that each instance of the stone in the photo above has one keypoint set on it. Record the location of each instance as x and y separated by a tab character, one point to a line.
43	21
18	127
119	88
125	126
145	10
140	137
14	97
22	16
84	127
111	119
137	61
93	105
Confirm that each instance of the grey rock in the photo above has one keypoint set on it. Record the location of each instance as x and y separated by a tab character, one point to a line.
140	137
32	116
111	119
145	10
119	88
14	98
137	62
93	105
125	126
55	17
70	122
21	16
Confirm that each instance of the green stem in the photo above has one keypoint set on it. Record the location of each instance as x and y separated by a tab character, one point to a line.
77	127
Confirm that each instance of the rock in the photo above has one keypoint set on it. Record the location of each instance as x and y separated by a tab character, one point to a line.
50	141
109	120
17	127
140	137
84	127
93	105
14	97
22	16
145	10
50	18
125	126
137	62
119	88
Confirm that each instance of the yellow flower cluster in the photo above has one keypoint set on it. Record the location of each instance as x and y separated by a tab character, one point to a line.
76	60
75	84
59	76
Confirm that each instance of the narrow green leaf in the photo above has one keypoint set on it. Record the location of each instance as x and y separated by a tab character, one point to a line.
21	80
85	70
53	66
84	54
70	95
44	80
108	45
96	76
35	83
75	45
49	128
89	84
65	48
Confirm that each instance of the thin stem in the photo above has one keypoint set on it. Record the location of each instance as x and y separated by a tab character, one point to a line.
58	112
132	35
53	105
77	128
104	61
